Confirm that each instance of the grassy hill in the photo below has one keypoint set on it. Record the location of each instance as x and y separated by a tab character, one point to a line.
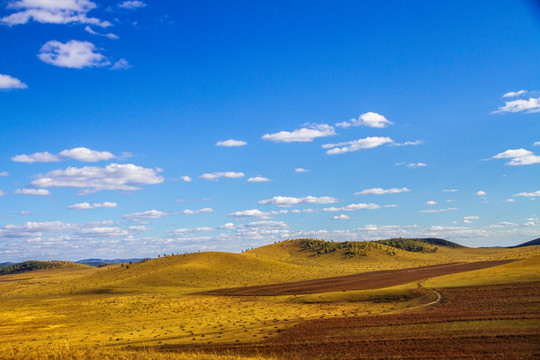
31	266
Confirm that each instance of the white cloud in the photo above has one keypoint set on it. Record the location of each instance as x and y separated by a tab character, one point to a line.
101	232
231	143
2	193
258	179
194	212
121	64
434	211
89	30
135	4
354	207
86	205
86	155
258	213
9	82
300	170
186	178
290	201
514	93
25	212
360	144
74	54
52	12
150	214
39	192
450	190
518	157
36	157
416	165
380	191
225	174
408	143
340	217
370	119
431	202
305	134
532	105
92	179
537	143
4	173
469	219
138	228
481	193
528	194
510	200
191	230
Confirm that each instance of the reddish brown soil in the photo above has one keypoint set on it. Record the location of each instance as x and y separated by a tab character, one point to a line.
489	322
364	281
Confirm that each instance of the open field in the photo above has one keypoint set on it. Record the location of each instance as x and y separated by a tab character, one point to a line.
173	307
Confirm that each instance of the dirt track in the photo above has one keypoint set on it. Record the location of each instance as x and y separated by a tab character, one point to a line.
364	281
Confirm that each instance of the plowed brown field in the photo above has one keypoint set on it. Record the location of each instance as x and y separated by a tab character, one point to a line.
488	322
363	281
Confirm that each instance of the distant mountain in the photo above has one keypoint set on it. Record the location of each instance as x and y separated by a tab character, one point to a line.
103	262
528	243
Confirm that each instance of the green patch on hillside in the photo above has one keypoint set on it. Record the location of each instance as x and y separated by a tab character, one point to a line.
412	245
350	248
30	266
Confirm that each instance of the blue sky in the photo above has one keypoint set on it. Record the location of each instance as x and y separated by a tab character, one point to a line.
137	128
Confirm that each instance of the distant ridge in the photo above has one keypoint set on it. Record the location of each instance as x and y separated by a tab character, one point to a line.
102	262
440	242
528	243
31	266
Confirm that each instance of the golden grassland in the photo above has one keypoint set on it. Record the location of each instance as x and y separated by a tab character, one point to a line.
82	312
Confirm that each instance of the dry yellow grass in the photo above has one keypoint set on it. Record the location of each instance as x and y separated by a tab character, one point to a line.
79	312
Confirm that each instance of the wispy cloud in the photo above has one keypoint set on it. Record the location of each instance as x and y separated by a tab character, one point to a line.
121	64
8	82
225	174
412	165
87	206
381	191
258	179
434	211
354	207
38	192
291	201
300	170
518	157
89	30
74	54
356	145
369	119
150	214
231	143
305	134
258	213
131	5
79	154
340	217
195	212
531	105
515	93
529	194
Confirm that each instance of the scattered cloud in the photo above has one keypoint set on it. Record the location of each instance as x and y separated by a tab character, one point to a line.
131	5
79	154
121	64
514	93
356	145
469	219
8	82
258	179
380	191
531	105
528	194
111	36
93	179
408	143
74	54
305	134
39	192
194	212
451	190
258	213
231	143
4	173
412	165
340	217
518	157
226	174
150	214
36	157
86	205
291	201
52	12
431	202
481	193
354	207
434	211
537	143
300	170
369	119
186	178
183	231
511	200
